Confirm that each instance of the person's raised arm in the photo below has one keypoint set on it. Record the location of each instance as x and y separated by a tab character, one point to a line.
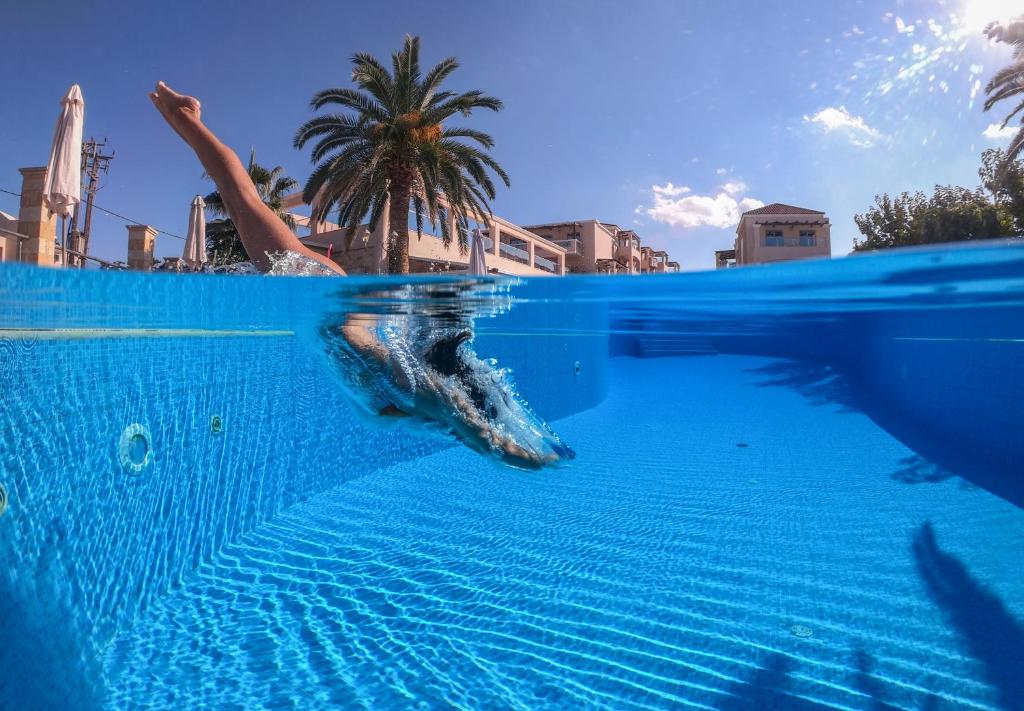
260	229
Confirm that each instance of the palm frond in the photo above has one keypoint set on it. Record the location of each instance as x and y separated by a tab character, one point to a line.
371	76
432	81
365	105
480	137
1014	150
1008	82
329	125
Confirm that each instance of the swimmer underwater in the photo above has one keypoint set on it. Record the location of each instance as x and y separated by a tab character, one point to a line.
434	378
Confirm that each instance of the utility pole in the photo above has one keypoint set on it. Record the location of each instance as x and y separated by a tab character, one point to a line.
94	162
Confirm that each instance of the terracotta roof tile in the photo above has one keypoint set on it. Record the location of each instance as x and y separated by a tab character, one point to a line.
777	208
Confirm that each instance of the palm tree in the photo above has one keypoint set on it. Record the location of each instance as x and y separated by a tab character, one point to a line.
1009	81
222	238
392	143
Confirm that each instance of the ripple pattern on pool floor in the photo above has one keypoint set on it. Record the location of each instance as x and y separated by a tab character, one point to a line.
667	569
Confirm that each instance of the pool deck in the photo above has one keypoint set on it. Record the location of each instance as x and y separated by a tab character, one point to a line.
725	540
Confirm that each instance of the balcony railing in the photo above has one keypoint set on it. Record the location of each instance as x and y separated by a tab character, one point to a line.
789	242
544	263
572	246
514	253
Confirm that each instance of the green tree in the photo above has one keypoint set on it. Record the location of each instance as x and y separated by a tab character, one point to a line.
889	222
1005	180
951	214
1008	82
391	143
222	241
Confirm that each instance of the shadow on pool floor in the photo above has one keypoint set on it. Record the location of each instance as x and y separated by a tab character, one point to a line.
990	633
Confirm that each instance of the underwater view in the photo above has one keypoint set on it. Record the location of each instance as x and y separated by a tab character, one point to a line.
791	487
544	355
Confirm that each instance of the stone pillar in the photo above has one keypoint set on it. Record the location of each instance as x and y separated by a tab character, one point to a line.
35	220
492	227
141	240
561	265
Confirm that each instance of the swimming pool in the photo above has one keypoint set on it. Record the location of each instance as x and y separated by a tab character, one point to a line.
796	486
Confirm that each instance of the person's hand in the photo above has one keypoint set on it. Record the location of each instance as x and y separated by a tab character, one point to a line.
180	111
495	425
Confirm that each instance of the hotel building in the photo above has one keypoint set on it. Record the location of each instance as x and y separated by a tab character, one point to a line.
510	249
776	233
595	247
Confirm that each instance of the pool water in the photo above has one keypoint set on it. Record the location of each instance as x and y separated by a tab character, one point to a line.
795	487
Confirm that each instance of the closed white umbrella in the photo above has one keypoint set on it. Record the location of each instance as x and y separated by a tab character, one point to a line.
195	241
62	185
477	262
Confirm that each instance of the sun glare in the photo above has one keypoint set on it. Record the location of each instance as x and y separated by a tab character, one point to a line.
977	14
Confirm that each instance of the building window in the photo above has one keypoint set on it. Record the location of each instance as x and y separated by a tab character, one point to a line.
773	238
807	238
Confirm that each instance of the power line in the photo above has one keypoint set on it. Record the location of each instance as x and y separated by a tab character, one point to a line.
129	220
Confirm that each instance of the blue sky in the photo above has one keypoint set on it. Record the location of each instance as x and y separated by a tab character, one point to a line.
666	117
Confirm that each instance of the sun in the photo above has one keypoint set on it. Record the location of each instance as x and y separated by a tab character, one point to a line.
977	14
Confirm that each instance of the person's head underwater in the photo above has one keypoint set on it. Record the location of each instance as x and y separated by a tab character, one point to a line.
423	367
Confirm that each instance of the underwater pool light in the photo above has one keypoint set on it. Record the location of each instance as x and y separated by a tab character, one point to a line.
577	367
3	499
802	631
135	450
216	424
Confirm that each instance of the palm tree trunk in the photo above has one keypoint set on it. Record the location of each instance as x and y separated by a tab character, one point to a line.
398	222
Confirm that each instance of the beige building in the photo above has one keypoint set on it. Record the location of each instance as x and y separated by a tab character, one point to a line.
776	233
656	261
10	238
510	249
595	247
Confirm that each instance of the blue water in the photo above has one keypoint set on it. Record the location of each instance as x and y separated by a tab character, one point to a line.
795	487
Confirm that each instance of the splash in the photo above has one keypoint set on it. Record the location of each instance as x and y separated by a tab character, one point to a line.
406	352
290	263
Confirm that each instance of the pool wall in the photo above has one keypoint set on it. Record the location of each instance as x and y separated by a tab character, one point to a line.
86	548
949	389
954	395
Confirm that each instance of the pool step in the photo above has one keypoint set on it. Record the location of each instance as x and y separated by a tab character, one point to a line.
670	345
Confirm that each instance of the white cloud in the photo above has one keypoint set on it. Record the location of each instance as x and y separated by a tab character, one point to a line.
720	171
670	190
995	133
854	128
672	206
735	187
